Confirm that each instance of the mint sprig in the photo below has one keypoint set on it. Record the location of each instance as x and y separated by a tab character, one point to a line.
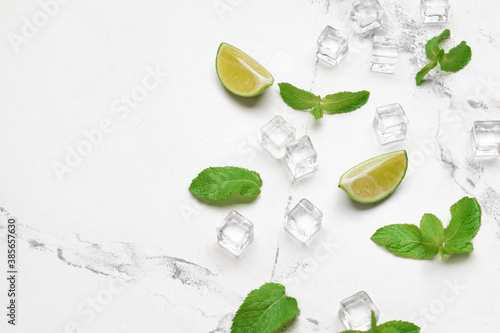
395	326
453	61
340	102
410	241
221	182
265	310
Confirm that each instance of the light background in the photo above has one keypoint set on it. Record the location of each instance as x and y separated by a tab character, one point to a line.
125	212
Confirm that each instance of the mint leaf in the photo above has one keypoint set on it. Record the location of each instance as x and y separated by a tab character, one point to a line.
432	231
446	251
432	47
404	240
464	225
401	326
296	98
388	330
373	321
427	68
317	112
265	310
220	182
457	58
343	102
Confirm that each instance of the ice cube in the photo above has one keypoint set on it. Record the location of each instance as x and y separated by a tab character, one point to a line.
235	233
303	220
390	123
366	15
486	138
275	135
355	312
384	54
301	157
332	46
434	11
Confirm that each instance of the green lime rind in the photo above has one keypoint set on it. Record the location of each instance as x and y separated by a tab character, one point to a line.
385	195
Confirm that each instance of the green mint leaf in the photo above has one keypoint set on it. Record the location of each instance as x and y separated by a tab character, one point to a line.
220	182
464	225
317	112
427	68
373	320
388	330
432	231
400	327
343	102
352	331
432	47
457	58
296	98
446	251
404	240
265	310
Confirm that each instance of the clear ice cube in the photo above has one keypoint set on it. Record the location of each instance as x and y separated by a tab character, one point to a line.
486	138
332	46
235	233
390	123
303	220
275	135
301	157
355	312
384	54
366	15
434	11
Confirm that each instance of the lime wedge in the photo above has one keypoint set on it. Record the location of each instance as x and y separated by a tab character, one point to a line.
376	178
240	73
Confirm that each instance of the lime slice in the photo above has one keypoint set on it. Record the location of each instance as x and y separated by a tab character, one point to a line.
240	73
376	178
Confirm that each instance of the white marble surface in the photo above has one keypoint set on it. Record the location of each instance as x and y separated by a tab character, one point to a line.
116	243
